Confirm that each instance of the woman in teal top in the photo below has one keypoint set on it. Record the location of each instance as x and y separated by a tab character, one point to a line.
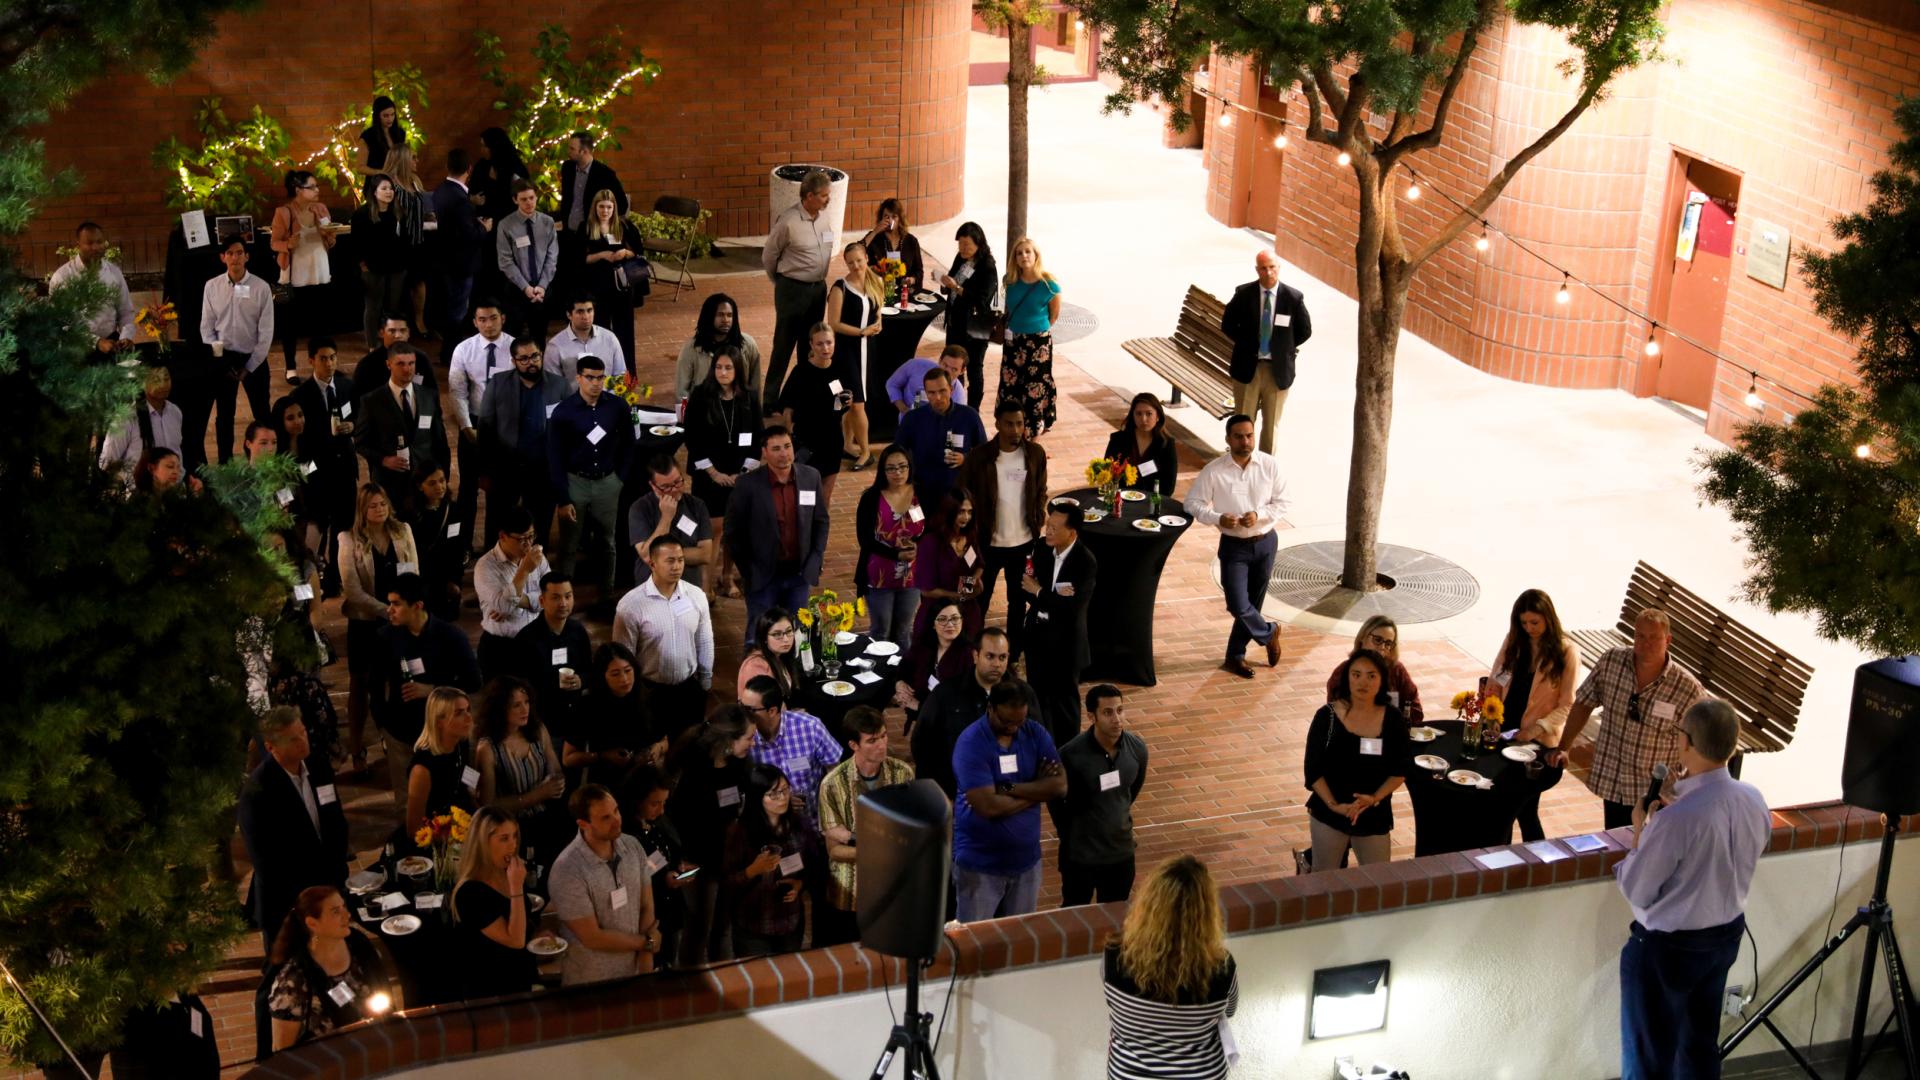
1026	361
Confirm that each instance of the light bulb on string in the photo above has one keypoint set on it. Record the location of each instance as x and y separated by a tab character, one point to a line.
1483	243
1413	191
1344	158
1753	390
1863	451
1280	141
1652	347
1226	119
1565	295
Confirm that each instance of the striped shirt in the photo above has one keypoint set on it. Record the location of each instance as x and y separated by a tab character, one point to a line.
1152	1040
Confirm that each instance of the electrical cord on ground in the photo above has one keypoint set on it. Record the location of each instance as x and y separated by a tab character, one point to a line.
1840	864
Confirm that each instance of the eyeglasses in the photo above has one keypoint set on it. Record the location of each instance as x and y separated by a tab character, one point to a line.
787	633
1379	642
520	538
778	794
948	620
898	467
668	487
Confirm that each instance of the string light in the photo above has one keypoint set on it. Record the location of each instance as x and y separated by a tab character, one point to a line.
379	1002
1483	243
1344	158
1753	390
1652	347
1413	191
1863	451
1280	141
1226	119
1565	295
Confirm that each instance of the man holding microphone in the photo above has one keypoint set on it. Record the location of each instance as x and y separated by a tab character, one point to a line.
1686	879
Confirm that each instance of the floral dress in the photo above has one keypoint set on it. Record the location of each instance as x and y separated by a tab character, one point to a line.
1026	361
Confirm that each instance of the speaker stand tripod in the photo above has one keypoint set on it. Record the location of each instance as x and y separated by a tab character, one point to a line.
1876	917
914	1034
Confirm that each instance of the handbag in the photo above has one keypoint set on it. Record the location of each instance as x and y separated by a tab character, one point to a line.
634	278
999	334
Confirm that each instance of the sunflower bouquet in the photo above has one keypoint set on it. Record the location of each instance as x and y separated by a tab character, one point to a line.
1109	476
629	390
829	615
1482	717
443	834
892	272
156	320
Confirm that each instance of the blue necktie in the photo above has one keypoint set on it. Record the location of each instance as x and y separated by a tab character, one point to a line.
1266	323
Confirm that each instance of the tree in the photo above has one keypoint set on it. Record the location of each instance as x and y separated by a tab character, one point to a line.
1017	18
1835	532
1366	67
127	710
568	95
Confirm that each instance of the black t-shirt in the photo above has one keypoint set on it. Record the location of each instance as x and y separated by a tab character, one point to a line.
446	772
808	391
492	969
697	811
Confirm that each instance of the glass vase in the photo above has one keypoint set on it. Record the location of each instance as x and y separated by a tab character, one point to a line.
1470	740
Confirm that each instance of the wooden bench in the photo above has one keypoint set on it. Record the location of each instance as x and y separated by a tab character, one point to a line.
1763	682
1197	359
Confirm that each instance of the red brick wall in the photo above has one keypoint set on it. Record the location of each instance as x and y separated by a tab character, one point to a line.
876	87
1795	96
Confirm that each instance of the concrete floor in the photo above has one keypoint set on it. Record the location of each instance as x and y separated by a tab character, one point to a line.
1566	501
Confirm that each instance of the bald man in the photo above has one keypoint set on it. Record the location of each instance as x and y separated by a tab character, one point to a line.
1267	322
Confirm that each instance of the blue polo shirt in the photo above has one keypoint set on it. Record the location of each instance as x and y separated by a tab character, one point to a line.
1008	845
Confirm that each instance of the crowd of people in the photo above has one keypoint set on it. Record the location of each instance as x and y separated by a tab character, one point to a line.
670	822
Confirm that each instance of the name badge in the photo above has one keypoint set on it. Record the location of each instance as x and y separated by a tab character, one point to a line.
416	666
809	498
791	865
242	291
594	436
1372	747
559	658
308	468
834	386
326	795
894	255
1018	476
419	380
1393	698
195	1024
406	568
680	601
550	409
1043	616
427	901
284	496
729	796
425	422
346	409
522	240
957	440
618	898
1282	319
933	682
1148	468
1009	763
656	862
915	514
1663	710
470	778
1110	780
1058	585
341	994
303	592
971	557
703	463
685	524
750	464
746	438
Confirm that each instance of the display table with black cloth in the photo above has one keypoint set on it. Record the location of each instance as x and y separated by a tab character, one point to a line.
1126	584
646	446
1453	817
895	344
811	695
427	963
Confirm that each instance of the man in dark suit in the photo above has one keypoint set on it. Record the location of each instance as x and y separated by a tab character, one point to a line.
400	429
371	372
777	529
581	178
1267	322
1059	587
461	235
513	436
326	400
291	821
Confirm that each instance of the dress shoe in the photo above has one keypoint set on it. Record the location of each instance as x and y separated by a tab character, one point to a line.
1273	648
1237	666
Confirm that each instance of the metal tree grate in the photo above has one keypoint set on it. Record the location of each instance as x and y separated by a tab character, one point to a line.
1074	323
1426	587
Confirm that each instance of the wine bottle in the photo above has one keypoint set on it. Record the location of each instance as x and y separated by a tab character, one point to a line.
806	652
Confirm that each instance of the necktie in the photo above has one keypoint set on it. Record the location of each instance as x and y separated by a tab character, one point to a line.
326	390
406	406
533	273
491	347
1266	322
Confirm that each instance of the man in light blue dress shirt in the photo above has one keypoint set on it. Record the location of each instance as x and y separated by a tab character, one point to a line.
1686	879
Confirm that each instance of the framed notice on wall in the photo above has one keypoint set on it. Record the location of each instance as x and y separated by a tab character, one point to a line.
1769	251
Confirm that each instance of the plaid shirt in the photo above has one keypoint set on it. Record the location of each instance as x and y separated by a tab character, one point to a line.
1642	727
838	792
804	752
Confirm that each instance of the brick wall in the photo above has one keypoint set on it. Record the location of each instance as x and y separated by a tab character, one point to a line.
876	87
1794	96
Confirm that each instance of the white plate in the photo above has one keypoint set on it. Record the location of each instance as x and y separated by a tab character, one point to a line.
1094	515
838	688
1519	753
881	648
1068	499
845	637
414	866
1430	761
1134	496
366	881
926	297
547	945
1173	521
889	310
1423	734
1465	777
535	903
1146	525
663	429
400	925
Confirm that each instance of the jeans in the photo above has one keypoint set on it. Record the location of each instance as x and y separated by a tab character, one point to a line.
1245	567
787	591
1013	560
596	503
995	896
797	305
1671	986
976	366
1084	884
891	612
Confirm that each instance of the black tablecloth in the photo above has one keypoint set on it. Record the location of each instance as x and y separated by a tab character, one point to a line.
832	711
1450	817
1126	586
426	963
895	344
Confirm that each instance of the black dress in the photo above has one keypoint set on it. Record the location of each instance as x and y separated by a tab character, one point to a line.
604	722
612	306
443	558
491	968
446	772
714	430
850	352
1122	446
809	392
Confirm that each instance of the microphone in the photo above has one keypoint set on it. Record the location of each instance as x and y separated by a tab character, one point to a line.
1653	786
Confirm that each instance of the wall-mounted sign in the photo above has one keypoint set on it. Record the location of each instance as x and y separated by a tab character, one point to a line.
1770	251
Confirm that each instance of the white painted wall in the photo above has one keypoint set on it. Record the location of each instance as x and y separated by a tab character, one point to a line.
1513	987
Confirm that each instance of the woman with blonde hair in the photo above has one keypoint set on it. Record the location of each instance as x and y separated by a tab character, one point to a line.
1382	635
615	272
490	908
853	310
1170	980
1026	361
372	553
411	201
442	775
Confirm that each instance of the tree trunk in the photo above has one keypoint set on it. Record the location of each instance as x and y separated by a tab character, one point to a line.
1383	282
1019	80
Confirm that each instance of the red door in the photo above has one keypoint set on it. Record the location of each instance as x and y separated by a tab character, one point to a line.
1703	205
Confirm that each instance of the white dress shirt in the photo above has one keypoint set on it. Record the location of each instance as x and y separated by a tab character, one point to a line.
1059	562
504	611
111	320
471	372
239	314
1224	487
303	783
566	349
123	446
671	636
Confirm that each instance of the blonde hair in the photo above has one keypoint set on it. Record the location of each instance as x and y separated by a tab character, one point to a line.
367	493
486	821
618	230
1174	940
873	286
401	171
439	707
1380	622
1013	261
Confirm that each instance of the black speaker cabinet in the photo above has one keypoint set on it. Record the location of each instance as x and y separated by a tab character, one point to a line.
905	844
1882	767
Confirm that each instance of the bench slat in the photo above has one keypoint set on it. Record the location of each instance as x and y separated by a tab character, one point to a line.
1197	359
